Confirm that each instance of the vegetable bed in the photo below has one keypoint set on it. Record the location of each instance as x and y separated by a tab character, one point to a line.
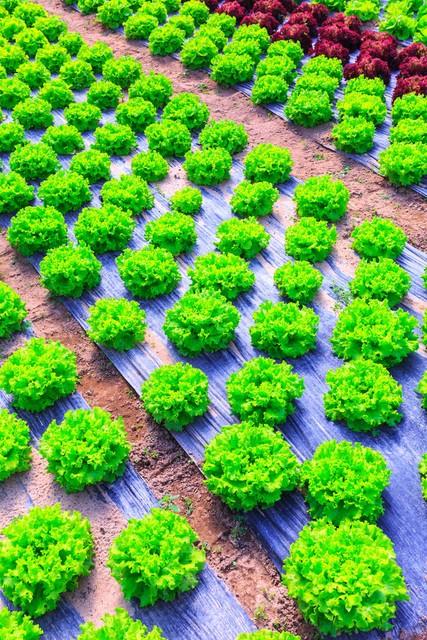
209	610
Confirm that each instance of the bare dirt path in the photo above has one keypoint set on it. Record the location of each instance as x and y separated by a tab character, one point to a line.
233	551
369	192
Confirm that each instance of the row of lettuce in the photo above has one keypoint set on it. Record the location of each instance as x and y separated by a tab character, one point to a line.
203	41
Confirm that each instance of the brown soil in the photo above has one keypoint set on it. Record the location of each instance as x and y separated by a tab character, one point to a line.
370	193
233	551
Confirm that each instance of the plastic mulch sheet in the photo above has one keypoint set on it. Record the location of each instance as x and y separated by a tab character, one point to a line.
209	611
402	446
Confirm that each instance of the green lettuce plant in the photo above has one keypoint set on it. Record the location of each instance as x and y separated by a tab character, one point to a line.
202	321
19	626
309	107
197	52
42	555
148	272
77	74
199	11
408	130
150	166
289	48
250	466
70	270
322	198
116	323
57	93
324	64
284	330
352	571
15	447
253	32
38	374
165	40
136	113
222	21
215	34
381	279
104	94
12	135
65	190
115	139
169	138
378	238
52	57
365	10
175	395
139	26
227	273
229	68
354	134
279	66
345	481
370	107
187	200
129	193
51	26
369	329
37	229
105	229
239	48
244	238
11	26
370	86
153	8
11	56
184	23
404	163
423	475
226	134
410	105
118	626
88	6
113	13
30	41
269	89
12	311
154	87
71	41
422	390
317	82
87	447
268	163
92	165
187	108
29	12
33	113
34	161
15	193
173	231
208	167
12	92
156	558
253	199
123	70
310	239
299	281
64	139
83	116
363	395
33	74
263	391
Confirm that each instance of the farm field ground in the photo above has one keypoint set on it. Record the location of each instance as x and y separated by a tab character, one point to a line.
233	551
